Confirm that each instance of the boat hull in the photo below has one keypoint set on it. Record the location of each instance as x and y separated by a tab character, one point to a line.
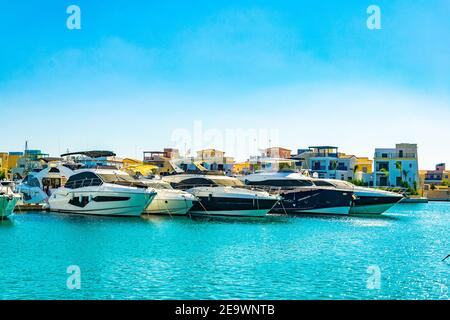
171	202
100	202
373	203
315	201
7	205
232	202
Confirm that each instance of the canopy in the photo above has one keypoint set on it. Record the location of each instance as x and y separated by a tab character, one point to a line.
91	154
142	169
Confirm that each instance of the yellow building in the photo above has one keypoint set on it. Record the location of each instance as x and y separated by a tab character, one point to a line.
364	164
8	161
3	164
241	167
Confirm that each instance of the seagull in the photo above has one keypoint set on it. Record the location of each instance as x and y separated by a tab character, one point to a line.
446	257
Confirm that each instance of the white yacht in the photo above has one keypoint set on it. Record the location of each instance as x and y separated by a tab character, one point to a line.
8	199
168	200
224	196
108	192
39	185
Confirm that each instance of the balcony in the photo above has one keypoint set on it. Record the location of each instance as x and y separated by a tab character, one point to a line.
393	155
323	155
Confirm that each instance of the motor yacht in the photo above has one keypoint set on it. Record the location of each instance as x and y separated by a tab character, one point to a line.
301	195
168	200
368	201
223	196
8	198
39	185
108	192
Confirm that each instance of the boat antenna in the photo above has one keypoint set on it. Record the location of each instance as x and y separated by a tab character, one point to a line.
446	257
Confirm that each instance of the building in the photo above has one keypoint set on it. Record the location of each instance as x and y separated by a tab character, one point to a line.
396	167
328	163
4	164
29	161
277	152
214	160
362	171
439	176
162	159
8	161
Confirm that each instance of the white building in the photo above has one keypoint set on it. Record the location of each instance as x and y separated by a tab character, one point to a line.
394	167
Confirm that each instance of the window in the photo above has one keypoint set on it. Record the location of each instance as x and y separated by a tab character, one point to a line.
33	182
281	183
192	182
83	179
322	183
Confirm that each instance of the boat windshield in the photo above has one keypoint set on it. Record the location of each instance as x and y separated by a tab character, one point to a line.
283	183
157	184
122	179
227	182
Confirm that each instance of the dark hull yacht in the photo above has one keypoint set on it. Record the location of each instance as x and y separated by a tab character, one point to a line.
300	195
368	201
223	196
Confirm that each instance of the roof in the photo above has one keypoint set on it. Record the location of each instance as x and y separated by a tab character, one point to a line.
205	150
271	148
91	154
322	147
50	159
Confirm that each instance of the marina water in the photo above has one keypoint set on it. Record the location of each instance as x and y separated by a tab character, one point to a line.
278	257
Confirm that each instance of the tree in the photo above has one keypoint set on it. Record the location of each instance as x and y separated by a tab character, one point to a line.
333	165
444	183
2	175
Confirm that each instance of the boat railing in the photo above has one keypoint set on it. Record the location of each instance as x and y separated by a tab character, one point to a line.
243	186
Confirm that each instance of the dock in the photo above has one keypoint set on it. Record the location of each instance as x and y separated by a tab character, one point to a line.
24	207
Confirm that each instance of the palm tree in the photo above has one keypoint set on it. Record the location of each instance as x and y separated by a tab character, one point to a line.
334	167
355	169
385	172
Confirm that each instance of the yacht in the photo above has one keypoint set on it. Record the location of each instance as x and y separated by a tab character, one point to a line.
301	195
39	185
168	200
8	199
223	196
369	201
108	192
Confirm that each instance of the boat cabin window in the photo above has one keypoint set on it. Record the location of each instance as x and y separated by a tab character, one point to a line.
53	183
281	183
322	183
192	182
228	182
83	179
31	181
157	184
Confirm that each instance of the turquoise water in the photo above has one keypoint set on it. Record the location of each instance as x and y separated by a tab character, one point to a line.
277	258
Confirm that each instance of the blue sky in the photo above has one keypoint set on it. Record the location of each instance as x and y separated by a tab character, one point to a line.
307	72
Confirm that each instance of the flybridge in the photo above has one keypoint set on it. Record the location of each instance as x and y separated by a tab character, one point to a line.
91	154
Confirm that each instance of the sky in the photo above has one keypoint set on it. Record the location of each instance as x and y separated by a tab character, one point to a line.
235	75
